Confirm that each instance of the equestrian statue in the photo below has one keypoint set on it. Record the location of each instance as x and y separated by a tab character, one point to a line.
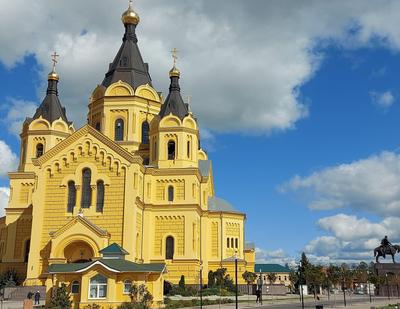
386	248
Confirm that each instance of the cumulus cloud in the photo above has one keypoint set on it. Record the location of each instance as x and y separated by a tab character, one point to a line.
4	194
369	184
8	160
16	111
382	99
278	256
242	64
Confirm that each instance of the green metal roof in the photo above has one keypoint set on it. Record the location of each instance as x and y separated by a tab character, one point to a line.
116	265
271	268
113	249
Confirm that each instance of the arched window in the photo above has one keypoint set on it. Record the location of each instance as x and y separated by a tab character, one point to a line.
145	132
75	287
39	150
171	150
119	130
26	251
127	286
236	243
232	243
169	248
97	126
170	193
227	242
98	287
100	196
71	196
86	199
188	149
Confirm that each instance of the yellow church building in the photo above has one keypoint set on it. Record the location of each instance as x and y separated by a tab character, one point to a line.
128	198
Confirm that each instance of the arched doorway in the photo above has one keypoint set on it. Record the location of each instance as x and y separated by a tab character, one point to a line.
78	252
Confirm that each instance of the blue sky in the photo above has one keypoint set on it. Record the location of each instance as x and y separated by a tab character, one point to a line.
299	109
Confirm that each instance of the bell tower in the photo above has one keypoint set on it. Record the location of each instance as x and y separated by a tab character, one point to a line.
125	103
48	126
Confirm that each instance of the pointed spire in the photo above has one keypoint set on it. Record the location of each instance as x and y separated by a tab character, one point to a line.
174	103
51	108
128	64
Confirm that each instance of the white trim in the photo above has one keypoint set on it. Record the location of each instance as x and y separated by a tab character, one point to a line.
98	263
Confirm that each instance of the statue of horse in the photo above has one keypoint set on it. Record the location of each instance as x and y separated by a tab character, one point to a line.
391	250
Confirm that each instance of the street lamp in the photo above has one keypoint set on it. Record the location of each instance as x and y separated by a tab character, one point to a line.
301	284
369	286
387	284
236	279
201	284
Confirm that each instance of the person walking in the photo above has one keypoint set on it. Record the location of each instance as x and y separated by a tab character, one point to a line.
258	294
37	298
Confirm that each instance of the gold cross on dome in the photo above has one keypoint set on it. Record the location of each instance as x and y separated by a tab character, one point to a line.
174	52
130	3
54	59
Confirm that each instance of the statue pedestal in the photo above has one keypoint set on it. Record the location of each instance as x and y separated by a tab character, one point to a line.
389	287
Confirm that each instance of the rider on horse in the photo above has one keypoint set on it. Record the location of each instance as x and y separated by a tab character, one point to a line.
385	245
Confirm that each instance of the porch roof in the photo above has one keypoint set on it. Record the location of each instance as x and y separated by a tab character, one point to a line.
114	265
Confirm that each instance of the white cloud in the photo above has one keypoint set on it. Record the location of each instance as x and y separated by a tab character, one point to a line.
243	64
4	194
278	256
382	99
16	112
8	160
369	184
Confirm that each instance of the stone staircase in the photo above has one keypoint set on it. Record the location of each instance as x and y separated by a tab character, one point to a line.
21	292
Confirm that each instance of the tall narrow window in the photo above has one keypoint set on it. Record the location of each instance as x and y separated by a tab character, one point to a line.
170	194
169	248
227	242
71	196
98	287
86	199
188	149
145	132
75	287
171	150
236	243
232	243
39	150
98	126
27	248
100	196
119	130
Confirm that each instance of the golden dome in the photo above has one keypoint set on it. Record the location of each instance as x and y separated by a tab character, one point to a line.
130	16
53	76
174	72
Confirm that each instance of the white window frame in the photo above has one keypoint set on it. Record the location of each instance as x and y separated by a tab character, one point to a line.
97	287
130	283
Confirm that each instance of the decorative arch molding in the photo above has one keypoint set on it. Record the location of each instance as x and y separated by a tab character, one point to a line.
147	92
39	124
170	121
189	122
119	88
60	246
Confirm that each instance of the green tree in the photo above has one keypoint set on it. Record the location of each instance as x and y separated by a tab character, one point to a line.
10	277
181	283
272	278
61	298
294	280
211	279
332	276
249	277
141	296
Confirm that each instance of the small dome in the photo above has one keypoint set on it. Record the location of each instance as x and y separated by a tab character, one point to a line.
130	16
53	75
174	72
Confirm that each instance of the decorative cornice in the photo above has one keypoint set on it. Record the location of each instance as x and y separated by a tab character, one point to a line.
173	171
45	132
83	221
179	129
22	175
87	129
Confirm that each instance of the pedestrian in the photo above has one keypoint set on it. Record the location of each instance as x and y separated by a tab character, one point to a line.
258	294
29	296
37	298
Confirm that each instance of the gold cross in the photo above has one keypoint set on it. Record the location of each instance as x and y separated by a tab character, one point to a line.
174	52
54	59
130	3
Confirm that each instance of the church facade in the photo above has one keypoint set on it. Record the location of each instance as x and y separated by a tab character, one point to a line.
128	198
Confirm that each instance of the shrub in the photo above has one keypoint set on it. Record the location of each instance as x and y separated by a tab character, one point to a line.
92	306
61	298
